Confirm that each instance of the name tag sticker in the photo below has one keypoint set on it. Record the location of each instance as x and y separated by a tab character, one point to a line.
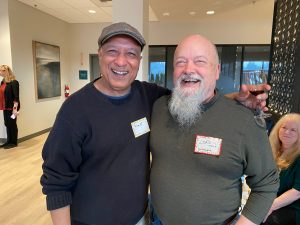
140	127
208	145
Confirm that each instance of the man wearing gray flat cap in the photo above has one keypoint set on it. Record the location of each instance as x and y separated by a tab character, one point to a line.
96	158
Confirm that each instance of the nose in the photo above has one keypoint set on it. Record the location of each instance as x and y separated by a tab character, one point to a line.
189	67
121	60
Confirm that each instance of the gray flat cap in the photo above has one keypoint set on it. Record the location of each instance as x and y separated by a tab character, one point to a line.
120	29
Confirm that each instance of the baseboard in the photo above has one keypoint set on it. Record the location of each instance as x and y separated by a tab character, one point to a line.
33	135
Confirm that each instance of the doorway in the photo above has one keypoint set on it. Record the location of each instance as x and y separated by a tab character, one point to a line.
94	67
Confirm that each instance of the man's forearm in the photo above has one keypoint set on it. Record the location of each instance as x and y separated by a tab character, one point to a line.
61	216
244	221
232	95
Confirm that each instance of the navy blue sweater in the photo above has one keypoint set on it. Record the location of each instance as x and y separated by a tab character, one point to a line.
93	162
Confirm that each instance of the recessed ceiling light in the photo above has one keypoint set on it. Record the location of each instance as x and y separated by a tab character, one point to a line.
92	11
192	13
166	14
210	12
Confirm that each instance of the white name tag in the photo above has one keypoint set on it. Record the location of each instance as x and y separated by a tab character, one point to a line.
140	127
208	145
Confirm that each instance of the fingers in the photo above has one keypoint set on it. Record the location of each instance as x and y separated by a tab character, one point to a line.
244	89
262	97
243	93
266	87
261	101
262	104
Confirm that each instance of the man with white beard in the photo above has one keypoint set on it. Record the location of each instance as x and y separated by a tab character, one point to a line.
202	144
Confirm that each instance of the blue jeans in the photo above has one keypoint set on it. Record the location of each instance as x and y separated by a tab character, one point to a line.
153	217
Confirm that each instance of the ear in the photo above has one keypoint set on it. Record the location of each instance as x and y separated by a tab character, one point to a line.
218	70
99	52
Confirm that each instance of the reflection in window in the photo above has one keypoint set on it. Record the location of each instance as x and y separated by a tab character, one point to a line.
157	73
256	65
157	65
256	58
230	60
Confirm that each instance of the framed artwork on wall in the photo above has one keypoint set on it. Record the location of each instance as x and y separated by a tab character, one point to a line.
83	75
46	60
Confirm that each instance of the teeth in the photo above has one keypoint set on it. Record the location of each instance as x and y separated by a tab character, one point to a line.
190	80
120	72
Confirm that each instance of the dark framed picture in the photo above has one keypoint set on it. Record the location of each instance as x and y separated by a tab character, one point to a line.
46	60
83	75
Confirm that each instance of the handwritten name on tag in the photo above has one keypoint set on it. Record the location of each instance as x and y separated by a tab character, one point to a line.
208	145
140	127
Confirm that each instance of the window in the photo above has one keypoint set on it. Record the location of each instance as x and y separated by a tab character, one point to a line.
256	58
235	60
157	66
231	60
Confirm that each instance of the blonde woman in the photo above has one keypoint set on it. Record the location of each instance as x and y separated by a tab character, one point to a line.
285	142
10	104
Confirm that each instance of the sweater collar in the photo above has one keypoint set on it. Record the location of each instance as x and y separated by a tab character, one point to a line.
212	101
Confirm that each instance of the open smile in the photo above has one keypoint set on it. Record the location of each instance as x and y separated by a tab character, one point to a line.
191	80
119	73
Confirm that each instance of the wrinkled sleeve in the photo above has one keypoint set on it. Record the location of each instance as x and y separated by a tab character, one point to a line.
62	157
262	175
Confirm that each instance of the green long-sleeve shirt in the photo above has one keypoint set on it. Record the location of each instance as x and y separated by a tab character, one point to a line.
190	188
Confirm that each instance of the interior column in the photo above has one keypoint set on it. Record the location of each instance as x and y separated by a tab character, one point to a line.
136	13
5	46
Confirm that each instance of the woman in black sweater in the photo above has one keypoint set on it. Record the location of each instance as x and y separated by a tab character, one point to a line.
10	104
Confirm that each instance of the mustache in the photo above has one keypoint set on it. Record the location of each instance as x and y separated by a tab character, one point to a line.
189	77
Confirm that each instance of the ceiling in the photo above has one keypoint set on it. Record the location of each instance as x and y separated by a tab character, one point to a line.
76	11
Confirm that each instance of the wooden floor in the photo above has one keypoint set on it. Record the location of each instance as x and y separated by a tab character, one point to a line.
21	198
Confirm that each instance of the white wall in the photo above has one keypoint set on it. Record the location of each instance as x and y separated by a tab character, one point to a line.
26	25
250	24
247	25
84	41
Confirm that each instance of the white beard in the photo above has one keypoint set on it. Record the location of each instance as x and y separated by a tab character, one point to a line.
186	106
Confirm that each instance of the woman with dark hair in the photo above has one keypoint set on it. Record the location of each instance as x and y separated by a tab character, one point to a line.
10	104
285	142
